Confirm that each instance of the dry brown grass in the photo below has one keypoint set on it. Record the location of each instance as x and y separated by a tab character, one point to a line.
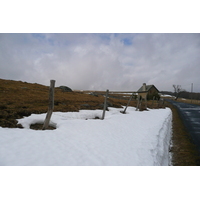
190	101
18	99
183	150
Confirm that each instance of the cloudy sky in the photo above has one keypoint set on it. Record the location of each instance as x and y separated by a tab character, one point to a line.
102	61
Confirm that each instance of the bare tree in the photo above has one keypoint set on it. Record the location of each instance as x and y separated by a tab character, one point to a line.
177	90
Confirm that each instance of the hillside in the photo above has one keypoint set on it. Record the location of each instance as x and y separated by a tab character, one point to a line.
18	99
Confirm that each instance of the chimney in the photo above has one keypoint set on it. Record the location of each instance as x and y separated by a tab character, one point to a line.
144	88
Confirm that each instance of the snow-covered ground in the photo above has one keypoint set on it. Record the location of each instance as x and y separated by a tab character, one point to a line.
167	95
132	139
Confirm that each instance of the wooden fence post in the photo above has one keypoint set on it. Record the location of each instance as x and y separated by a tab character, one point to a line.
105	104
140	104
128	104
158	102
146	103
163	103
153	101
138	101
51	105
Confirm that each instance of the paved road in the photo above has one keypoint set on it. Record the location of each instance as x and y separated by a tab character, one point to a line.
190	115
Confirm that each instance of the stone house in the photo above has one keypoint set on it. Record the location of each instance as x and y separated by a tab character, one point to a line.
148	91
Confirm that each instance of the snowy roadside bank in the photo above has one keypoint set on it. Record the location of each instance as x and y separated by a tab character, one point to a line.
132	139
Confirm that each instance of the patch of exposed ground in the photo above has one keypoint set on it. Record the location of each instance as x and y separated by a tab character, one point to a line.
39	127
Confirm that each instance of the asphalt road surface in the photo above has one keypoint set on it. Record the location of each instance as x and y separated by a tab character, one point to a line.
190	115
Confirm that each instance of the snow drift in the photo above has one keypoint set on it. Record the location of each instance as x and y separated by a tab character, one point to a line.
132	139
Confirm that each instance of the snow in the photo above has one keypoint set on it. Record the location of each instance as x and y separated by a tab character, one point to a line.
132	139
166	95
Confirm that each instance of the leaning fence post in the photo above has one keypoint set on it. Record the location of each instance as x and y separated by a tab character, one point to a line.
105	104
128	104
51	105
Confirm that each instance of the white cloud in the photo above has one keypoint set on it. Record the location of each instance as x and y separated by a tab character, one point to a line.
101	61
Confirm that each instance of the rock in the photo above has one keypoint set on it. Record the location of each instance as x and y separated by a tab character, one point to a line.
108	104
65	89
94	94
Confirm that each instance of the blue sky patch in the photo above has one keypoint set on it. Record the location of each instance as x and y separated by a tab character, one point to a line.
127	41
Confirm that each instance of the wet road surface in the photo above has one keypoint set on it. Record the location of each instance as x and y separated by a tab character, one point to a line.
190	115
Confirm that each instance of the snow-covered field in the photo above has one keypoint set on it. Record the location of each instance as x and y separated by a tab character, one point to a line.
132	139
167	95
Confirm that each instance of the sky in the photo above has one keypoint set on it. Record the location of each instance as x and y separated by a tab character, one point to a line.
92	61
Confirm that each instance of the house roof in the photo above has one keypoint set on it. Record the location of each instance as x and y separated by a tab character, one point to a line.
148	87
